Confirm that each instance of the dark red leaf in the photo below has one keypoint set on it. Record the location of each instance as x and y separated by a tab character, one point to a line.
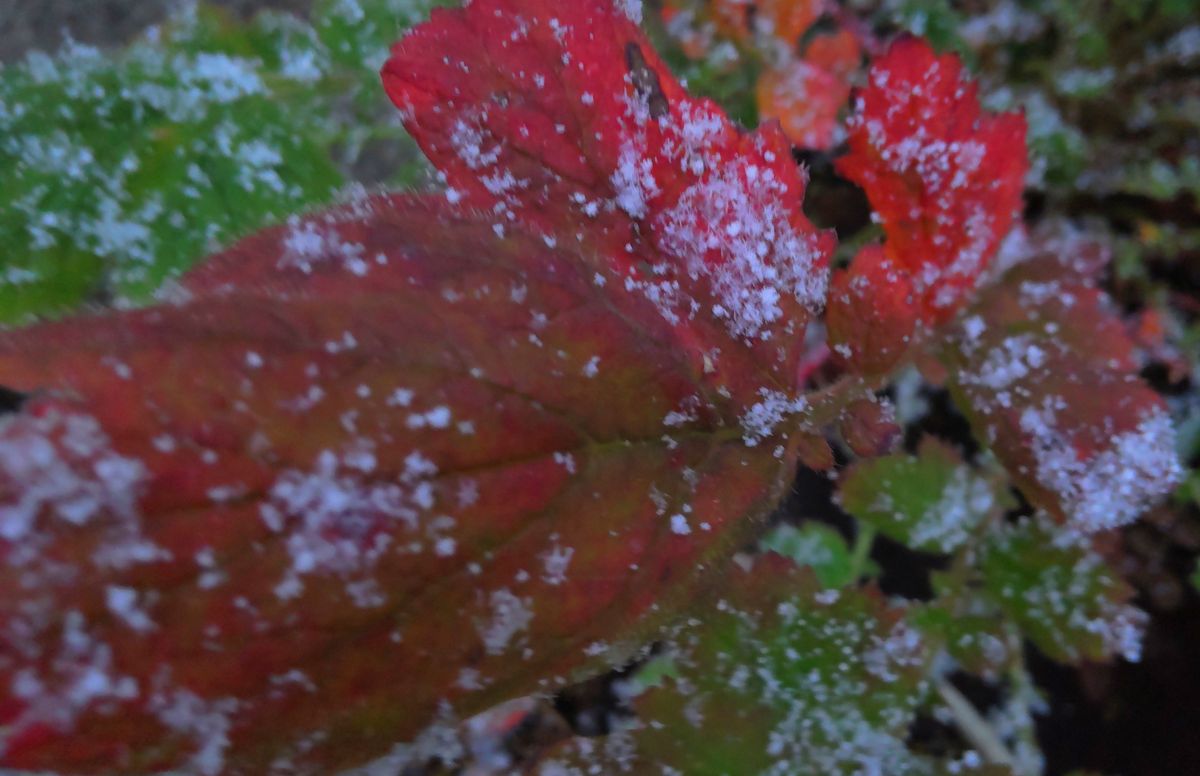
413	471
873	313
1044	368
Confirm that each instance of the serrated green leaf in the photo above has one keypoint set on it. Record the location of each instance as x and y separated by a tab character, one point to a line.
781	678
932	501
975	641
123	169
1063	595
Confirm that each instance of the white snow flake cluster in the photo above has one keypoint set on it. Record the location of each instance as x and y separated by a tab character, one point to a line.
510	615
733	228
764	416
337	522
63	469
79	674
1114	486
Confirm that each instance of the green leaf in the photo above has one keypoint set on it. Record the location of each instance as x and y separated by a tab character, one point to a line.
817	546
780	678
121	170
1062	594
976	641
932	501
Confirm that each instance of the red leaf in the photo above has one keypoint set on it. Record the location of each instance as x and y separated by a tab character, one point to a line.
805	95
553	114
944	178
872	314
805	99
869	428
411	470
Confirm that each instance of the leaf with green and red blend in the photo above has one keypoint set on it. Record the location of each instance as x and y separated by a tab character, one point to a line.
386	466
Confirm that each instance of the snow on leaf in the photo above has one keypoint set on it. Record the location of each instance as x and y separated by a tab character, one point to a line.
1044	369
181	523
816	545
1064	596
944	178
931	501
546	114
779	678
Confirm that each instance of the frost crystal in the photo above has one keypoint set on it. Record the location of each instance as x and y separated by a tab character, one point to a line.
1114	486
761	419
337	522
632	9
58	468
80	674
509	616
733	228
555	562
206	723
66	469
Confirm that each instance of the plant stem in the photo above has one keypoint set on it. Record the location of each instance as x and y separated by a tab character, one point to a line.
974	727
862	549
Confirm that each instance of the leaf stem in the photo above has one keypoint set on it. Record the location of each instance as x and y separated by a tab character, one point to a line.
862	549
974	727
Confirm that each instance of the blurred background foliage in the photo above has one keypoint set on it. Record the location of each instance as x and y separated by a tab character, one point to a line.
123	167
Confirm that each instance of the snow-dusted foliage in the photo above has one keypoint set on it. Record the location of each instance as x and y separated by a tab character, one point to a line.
375	470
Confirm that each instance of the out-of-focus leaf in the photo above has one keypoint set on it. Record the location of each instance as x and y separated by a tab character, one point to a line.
1064	597
931	501
121	171
868	427
976	641
778	679
780	20
817	546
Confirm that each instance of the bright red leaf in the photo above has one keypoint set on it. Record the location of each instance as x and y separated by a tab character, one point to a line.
873	313
560	114
944	178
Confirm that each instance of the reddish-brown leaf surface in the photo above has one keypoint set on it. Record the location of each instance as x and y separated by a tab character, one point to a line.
944	178
411	470
1046	371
